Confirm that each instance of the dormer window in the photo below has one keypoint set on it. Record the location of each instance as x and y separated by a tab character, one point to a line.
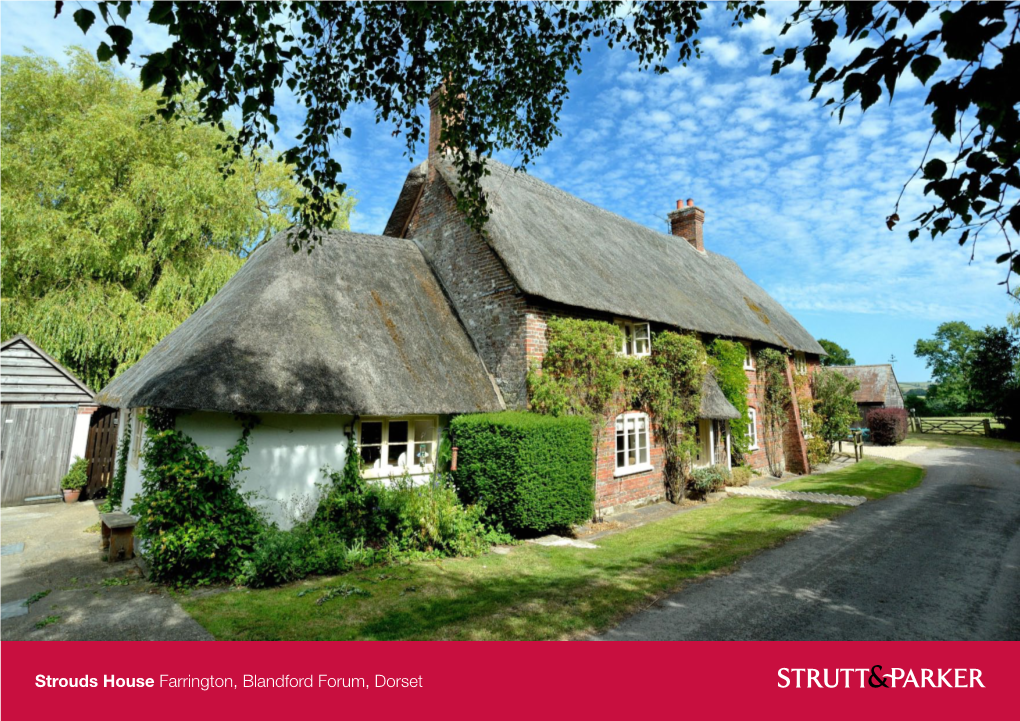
637	338
748	358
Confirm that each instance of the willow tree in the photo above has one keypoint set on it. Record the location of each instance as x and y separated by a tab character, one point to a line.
116	224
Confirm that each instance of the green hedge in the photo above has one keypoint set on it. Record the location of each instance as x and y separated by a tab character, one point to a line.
533	473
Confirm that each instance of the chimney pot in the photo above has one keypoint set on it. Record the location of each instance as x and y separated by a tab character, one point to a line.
679	204
690	202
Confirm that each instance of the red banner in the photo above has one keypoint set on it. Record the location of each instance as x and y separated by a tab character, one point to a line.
509	680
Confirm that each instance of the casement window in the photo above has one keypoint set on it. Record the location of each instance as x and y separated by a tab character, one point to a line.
799	362
632	444
393	446
752	429
137	428
637	338
748	358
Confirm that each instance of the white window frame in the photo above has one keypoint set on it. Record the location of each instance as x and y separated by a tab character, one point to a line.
635	333
799	362
752	428
622	421
748	358
382	468
137	427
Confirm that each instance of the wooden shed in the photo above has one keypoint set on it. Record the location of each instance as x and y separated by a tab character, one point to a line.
45	422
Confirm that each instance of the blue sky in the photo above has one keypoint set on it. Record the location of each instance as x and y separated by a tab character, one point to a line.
797	199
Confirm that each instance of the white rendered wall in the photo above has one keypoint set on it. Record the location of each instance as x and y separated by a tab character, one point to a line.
80	438
285	457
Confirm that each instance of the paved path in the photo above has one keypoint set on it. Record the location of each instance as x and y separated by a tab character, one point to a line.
941	561
833	499
88	599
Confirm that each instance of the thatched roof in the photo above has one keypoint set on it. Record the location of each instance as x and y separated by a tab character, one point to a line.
358	326
560	248
878	384
713	403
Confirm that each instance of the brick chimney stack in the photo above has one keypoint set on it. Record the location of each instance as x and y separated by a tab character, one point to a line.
435	122
687	222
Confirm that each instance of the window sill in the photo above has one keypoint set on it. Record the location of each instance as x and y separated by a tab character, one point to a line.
391	472
631	470
753	448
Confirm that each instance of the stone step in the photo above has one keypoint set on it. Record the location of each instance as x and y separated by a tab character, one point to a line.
829	498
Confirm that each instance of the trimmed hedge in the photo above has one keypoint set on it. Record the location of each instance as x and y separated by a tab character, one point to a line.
888	425
533	473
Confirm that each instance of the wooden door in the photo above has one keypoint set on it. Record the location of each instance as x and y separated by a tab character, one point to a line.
720	432
101	450
36	448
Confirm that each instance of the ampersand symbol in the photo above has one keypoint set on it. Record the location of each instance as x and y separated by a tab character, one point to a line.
876	677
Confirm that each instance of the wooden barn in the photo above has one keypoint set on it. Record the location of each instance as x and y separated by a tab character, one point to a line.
46	414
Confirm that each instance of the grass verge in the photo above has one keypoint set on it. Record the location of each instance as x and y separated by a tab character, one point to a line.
873	478
943	440
534	592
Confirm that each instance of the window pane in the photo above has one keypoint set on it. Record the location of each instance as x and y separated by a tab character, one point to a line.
370	455
424	431
641	337
371	433
396	454
632	444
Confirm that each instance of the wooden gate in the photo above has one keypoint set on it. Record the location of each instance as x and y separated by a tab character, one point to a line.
101	450
36	448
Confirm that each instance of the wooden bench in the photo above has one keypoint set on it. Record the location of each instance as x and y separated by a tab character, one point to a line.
118	535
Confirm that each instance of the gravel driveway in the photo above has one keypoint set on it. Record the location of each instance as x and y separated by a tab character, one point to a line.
941	561
47	550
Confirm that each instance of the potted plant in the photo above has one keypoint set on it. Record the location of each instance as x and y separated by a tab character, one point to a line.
75	480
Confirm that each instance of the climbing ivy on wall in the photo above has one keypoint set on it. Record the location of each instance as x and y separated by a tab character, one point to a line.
668	386
727	359
581	374
773	399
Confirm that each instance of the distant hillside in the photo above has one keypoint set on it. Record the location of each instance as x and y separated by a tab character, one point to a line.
914	389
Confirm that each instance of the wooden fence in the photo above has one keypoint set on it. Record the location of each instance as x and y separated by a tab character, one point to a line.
952	426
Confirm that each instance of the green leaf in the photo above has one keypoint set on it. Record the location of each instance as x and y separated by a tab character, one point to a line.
103	52
84	19
1005	256
924	67
151	73
935	169
769	51
162	13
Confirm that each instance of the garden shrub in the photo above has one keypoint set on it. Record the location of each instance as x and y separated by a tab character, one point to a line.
77	477
741	475
273	561
351	508
888	425
709	479
428	517
533	473
819	451
198	526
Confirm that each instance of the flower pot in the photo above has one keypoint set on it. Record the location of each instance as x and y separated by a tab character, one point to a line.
71	496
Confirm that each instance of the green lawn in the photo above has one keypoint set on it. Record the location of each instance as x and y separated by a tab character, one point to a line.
942	440
534	592
872	477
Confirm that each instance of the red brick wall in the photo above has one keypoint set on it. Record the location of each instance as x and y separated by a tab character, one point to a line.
635	489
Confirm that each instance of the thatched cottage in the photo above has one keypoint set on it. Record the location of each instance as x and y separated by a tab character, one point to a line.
388	336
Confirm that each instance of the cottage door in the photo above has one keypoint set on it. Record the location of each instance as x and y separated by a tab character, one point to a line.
720	430
101	450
